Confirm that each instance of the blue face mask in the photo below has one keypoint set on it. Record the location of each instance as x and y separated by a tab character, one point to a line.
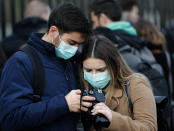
65	51
99	80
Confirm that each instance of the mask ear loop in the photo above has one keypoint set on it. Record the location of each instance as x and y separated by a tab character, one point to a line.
59	38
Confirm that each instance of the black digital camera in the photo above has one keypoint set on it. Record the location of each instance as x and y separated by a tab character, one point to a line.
98	120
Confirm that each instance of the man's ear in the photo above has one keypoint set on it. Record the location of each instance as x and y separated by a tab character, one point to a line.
104	19
53	31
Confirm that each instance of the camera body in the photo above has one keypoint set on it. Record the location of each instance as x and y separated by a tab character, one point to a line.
98	120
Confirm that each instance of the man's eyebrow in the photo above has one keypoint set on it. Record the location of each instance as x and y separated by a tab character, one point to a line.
74	41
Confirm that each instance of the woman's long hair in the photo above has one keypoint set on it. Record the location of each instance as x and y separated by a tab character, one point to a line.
102	48
151	33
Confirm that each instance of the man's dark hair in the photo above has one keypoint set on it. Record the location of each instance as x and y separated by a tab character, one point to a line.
69	18
127	5
110	8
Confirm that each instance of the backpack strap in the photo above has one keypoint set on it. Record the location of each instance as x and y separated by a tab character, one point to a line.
38	72
129	99
170	77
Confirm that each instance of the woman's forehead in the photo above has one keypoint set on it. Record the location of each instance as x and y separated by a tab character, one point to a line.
94	63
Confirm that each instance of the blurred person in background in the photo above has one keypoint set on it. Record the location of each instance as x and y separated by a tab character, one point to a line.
156	42
35	19
107	13
130	10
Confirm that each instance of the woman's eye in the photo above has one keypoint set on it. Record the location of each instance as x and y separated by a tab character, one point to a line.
88	70
101	70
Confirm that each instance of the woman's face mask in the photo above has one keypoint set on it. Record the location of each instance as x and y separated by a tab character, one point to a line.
95	73
98	80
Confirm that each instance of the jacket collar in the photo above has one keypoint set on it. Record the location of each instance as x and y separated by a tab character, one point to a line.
46	48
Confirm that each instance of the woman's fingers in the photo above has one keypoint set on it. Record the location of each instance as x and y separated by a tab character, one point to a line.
101	108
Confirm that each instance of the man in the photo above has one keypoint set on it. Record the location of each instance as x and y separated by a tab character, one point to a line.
108	13
67	29
35	20
130	10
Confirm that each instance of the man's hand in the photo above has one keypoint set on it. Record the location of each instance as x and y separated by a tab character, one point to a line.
87	102
73	100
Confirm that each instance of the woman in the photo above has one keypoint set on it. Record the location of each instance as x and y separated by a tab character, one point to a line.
103	68
149	32
156	42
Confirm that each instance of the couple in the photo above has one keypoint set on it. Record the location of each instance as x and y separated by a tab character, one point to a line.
102	67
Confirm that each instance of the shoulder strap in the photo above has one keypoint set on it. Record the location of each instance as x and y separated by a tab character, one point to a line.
38	72
128	96
170	77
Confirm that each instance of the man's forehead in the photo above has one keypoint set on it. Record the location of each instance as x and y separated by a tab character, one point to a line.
75	37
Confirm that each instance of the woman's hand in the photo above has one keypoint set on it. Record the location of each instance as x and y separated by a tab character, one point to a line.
103	109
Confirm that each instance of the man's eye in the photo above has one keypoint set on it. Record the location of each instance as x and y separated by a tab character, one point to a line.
72	43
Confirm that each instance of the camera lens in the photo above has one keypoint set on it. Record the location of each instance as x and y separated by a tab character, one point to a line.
91	92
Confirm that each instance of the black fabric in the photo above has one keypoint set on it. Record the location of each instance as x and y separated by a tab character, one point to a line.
126	39
169	35
162	60
22	31
131	40
161	106
152	46
38	71
157	80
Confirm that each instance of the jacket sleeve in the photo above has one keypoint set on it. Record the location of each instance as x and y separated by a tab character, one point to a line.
144	109
16	95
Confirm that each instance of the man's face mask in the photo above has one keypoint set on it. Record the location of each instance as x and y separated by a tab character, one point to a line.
65	50
98	80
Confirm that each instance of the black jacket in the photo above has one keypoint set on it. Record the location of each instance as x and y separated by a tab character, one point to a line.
138	46
22	31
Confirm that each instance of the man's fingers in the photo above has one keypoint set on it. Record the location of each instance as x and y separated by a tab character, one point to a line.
87	104
78	92
88	98
84	109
